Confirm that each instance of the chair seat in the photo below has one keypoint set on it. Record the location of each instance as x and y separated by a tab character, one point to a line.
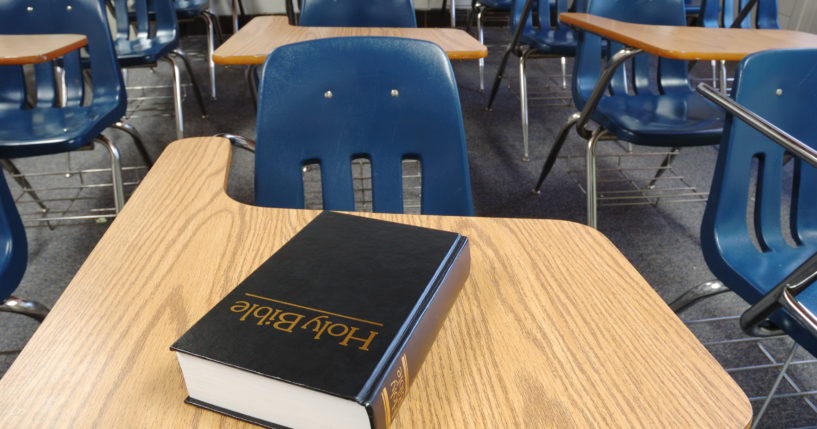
497	4
654	120
43	131
186	9
139	52
560	41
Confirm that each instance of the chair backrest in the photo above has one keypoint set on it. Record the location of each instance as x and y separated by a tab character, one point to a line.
146	30
54	16
760	221
642	77
384	99
13	244
358	13
722	13
543	18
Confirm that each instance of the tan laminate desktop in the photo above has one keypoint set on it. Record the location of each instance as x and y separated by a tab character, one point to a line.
263	34
554	327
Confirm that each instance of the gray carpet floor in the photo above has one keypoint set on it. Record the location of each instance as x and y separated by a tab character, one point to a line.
661	240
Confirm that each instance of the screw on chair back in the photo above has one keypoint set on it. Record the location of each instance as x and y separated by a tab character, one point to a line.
722	13
760	221
29	122
651	103
384	99
358	13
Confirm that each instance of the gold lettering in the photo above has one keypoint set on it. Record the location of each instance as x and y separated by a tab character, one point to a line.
250	310
286	325
317	320
264	319
333	332
365	341
240	306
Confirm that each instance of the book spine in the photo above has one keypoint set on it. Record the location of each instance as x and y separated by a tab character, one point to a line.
393	388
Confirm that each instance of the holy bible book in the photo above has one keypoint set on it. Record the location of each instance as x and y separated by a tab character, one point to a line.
331	330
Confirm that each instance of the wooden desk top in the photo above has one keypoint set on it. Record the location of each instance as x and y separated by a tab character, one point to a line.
19	49
691	43
554	328
263	34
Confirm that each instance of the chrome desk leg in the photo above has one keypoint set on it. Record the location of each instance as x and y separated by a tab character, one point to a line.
32	309
564	72
480	11
453	13
177	97
235	16
211	66
116	172
698	292
196	88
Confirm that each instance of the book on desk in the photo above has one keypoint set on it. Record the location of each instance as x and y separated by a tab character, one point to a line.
331	330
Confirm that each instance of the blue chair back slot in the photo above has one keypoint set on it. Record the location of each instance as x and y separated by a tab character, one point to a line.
358	13
747	243
386	99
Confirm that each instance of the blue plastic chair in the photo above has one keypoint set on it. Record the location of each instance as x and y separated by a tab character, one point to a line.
14	258
50	124
723	13
385	99
652	106
192	9
693	7
745	241
358	13
147	32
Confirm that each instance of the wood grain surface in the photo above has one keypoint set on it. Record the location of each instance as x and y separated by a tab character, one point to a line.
20	49
553	329
691	43
263	34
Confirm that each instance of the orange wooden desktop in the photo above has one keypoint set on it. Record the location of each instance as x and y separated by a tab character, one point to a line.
20	49
263	34
554	328
691	43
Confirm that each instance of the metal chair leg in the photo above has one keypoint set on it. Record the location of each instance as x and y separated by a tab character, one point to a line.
523	102
211	66
116	172
563	61
21	180
480	11
590	164
703	290
253	88
32	309
196	87
177	97
137	140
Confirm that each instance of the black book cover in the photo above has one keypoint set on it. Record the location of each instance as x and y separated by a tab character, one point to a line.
348	307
